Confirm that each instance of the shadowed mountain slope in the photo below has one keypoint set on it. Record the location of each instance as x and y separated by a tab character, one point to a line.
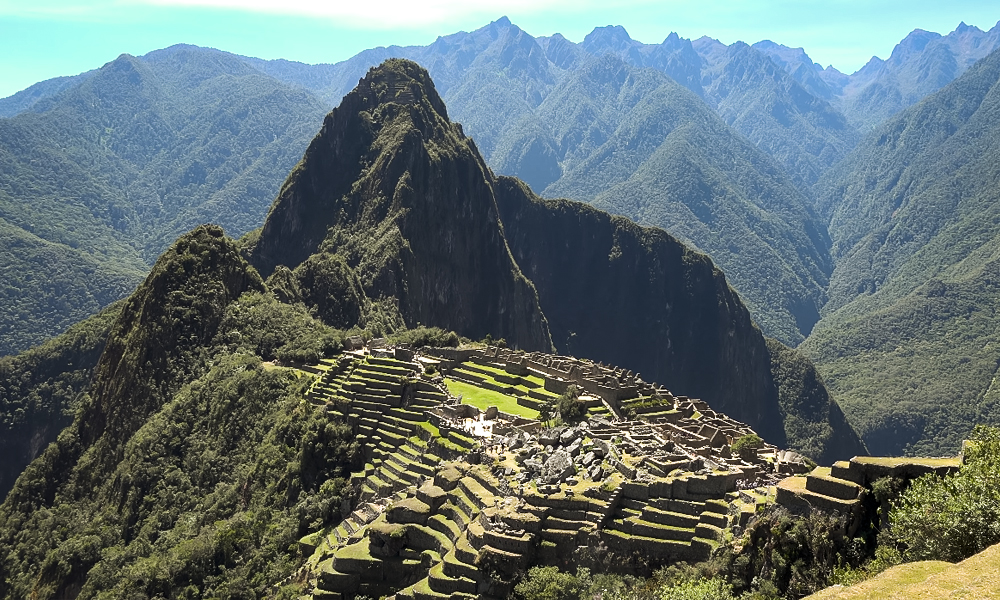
633	142
622	294
40	390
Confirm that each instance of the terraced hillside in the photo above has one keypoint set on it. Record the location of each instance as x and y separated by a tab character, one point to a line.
463	487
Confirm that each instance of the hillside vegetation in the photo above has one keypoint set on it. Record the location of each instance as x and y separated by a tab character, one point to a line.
908	342
178	476
99	178
40	390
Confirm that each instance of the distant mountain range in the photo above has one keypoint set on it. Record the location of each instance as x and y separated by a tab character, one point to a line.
100	176
780	170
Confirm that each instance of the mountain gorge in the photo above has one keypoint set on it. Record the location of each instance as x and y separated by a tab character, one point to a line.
193	463
912	298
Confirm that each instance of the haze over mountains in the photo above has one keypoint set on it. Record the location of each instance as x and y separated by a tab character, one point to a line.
745	152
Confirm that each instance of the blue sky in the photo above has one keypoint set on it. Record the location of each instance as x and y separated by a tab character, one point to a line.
40	39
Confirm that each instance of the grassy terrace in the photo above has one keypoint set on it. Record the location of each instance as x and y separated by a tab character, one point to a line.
975	577
532	378
483	399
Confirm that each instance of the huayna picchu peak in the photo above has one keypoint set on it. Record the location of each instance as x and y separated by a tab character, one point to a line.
289	413
397	189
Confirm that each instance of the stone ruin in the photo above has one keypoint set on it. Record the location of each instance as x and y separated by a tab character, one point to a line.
455	500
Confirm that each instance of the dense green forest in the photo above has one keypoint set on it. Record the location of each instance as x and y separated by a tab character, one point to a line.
99	178
40	390
908	339
181	476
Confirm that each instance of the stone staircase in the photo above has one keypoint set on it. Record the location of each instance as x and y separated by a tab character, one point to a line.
428	541
821	489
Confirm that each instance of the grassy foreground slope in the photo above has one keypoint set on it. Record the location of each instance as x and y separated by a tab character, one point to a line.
977	577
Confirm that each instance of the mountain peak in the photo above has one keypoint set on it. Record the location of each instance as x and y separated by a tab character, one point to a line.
912	44
608	38
399	81
399	192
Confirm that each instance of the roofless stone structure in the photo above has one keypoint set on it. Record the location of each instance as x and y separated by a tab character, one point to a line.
458	494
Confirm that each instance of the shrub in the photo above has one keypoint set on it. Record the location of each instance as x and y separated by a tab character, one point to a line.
706	589
951	518
426	336
746	446
568	404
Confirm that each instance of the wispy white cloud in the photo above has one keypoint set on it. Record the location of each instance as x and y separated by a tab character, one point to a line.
57	8
373	14
393	14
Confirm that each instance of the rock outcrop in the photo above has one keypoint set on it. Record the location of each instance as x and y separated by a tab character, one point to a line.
398	190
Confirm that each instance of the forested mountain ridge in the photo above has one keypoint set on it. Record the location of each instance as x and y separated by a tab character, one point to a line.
99	177
912	312
190	465
637	144
175	458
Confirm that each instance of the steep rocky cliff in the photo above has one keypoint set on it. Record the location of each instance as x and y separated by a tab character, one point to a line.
624	294
396	188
